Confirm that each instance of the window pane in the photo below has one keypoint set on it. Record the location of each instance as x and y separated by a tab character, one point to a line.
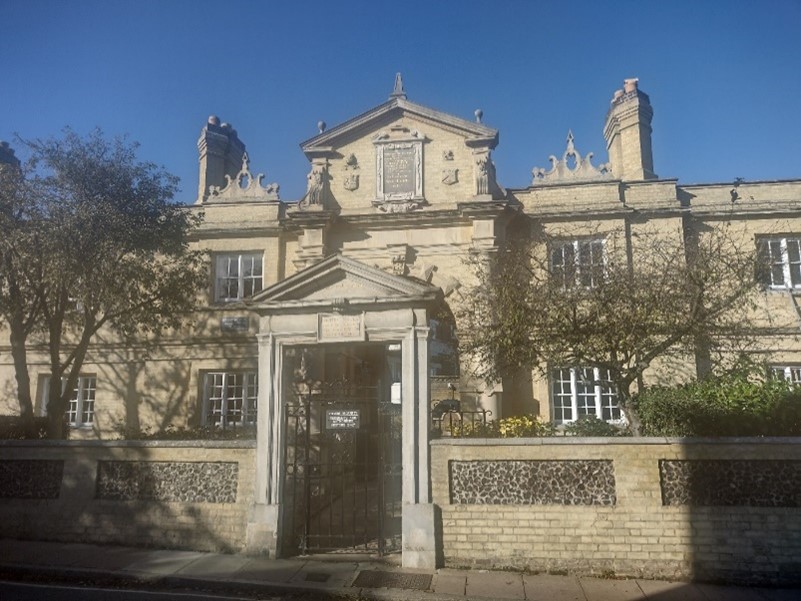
562	396
585	392
610	409
558	265
234	396
251	393
794	258
72	409
88	386
230	398
214	399
238	276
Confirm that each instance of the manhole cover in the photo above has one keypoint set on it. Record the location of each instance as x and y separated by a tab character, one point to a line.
378	579
317	577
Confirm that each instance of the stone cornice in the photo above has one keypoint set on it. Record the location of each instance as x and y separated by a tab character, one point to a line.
477	133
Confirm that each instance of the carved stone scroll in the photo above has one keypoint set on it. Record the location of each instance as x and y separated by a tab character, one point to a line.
561	171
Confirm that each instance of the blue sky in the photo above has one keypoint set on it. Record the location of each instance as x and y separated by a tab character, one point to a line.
724	77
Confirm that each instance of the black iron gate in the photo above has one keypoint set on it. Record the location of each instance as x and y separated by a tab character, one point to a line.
342	460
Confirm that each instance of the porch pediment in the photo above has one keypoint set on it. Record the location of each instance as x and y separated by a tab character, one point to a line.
339	279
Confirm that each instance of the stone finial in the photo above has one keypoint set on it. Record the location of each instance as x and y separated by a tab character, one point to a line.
398	91
479	114
321	126
630	85
214	120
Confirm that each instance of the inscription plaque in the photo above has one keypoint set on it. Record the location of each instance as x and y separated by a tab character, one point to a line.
335	326
399	170
399	175
342	419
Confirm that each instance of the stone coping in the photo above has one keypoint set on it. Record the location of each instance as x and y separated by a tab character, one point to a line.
151	444
613	440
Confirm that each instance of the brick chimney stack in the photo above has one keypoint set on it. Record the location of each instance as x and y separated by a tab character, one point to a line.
628	133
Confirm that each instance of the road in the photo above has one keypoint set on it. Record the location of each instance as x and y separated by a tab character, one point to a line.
17	591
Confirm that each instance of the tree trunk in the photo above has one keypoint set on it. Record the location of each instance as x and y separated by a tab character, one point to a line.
632	416
20	356
55	412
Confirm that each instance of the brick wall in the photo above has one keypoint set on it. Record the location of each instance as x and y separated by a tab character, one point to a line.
655	508
183	495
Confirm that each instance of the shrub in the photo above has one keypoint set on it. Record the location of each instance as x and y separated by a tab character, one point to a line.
522	426
590	425
196	433
12	428
733	405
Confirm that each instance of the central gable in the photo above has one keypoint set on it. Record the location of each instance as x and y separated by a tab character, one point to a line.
339	280
400	157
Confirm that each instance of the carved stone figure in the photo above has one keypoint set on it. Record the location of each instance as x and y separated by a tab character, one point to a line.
483	164
351	180
317	187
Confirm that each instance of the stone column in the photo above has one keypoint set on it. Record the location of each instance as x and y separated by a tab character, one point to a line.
262	528
419	527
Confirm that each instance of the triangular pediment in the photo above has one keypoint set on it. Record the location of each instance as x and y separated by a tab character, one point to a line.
393	110
339	278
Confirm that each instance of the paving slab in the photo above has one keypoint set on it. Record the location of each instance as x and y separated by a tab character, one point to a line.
546	587
495	585
112	559
340	574
715	592
215	565
163	563
597	589
671	591
449	584
263	569
29	552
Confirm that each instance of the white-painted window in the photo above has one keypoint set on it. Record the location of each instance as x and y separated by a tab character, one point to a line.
229	398
237	276
780	261
576	392
577	262
791	373
81	407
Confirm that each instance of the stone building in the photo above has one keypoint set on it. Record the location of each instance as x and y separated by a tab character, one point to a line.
329	322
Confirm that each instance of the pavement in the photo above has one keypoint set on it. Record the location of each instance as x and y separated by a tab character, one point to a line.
354	577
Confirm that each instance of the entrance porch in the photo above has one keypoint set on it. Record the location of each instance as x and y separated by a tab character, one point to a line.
343	425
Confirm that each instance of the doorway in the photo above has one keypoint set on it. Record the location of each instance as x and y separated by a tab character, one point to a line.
342	464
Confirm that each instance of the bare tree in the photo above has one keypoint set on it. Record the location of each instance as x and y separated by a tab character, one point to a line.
656	295
20	301
110	250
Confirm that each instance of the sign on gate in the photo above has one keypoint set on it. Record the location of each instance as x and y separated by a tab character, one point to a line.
342	419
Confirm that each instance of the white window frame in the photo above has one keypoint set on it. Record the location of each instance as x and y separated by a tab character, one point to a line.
789	373
572	271
80	411
230	398
782	272
244	270
571	394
